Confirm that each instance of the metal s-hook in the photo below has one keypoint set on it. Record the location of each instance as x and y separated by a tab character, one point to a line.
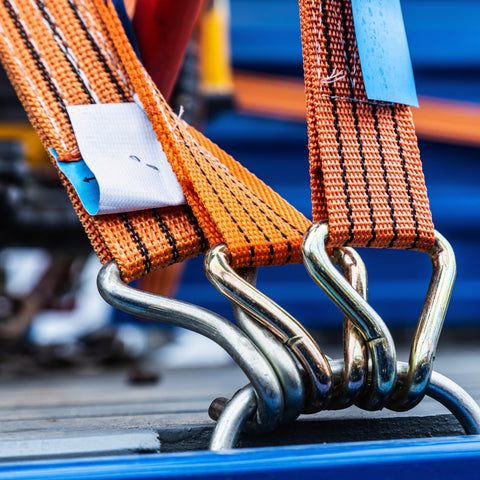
355	357
375	333
277	320
410	392
410	389
288	370
242	350
238	286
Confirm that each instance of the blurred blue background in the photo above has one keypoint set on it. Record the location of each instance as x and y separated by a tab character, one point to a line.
444	40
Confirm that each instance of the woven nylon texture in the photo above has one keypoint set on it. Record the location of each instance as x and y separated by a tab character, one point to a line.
66	52
231	204
366	174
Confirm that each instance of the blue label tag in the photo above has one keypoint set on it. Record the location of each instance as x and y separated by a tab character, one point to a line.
83	181
383	49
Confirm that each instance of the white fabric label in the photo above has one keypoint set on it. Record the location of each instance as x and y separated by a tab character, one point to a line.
128	168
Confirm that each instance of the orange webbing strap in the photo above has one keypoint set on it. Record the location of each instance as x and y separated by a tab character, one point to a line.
231	204
70	52
58	53
366	174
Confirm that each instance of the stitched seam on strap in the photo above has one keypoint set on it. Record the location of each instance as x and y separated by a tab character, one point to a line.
168	234
359	100
385	177
407	179
138	242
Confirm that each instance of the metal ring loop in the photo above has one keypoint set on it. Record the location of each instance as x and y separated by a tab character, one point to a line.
277	320
440	388
237	412
451	396
372	328
242	350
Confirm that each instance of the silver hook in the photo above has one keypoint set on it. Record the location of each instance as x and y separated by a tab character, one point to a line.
355	359
440	388
229	425
410	392
372	328
275	319
286	367
289	372
242	350
343	393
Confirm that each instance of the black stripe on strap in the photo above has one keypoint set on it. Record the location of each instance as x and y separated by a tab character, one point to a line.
138	242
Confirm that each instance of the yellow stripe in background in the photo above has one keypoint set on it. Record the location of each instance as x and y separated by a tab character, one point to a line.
23	133
214	41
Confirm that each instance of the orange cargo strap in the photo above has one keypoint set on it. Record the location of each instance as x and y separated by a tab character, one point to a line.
366	174
69	52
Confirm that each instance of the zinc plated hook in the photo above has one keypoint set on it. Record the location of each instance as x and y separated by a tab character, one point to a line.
286	367
242	350
375	333
277	320
410	392
410	389
239	287
355	357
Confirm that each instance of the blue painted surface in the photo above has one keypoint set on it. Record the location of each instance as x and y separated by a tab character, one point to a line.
439	458
440	33
443	38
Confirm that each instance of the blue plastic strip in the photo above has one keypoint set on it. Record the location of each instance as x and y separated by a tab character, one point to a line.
83	181
419	459
383	49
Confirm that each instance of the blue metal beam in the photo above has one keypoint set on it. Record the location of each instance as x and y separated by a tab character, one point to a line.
440	458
